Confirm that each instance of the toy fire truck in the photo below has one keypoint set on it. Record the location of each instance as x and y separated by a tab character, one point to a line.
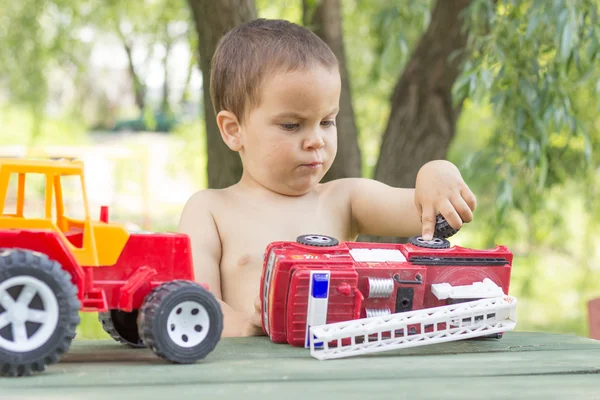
343	299
55	264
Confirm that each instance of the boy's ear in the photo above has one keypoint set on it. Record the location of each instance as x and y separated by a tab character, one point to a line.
230	129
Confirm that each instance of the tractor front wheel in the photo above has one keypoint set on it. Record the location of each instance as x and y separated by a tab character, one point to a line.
181	322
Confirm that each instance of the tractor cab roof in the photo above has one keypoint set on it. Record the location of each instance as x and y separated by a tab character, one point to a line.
54	166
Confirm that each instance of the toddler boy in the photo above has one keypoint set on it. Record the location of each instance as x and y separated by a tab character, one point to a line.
275	87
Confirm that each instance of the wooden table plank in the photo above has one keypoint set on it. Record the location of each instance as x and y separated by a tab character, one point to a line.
256	368
543	387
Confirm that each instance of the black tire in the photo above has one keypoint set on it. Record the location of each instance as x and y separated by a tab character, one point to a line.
494	336
173	297
52	294
443	229
317	240
435	243
122	327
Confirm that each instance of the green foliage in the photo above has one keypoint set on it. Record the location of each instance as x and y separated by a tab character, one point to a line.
379	37
149	22
534	71
397	29
42	37
34	34
90	327
149	26
555	267
189	153
537	63
290	10
17	128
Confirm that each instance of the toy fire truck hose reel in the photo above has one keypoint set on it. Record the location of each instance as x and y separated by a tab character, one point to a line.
38	312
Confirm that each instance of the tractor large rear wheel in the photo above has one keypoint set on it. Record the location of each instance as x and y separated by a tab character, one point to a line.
39	312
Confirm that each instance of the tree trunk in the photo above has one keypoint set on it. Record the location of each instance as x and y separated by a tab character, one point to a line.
185	93
422	119
326	21
165	108
139	89
213	19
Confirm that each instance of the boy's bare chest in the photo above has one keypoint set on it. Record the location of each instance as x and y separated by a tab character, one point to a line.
245	233
247	229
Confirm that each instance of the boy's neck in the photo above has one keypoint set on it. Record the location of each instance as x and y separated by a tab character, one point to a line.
249	185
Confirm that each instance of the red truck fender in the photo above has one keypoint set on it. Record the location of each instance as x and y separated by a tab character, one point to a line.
48	243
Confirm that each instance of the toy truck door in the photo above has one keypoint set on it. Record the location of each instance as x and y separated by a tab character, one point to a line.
323	296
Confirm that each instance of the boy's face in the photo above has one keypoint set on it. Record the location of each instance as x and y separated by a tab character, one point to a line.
289	141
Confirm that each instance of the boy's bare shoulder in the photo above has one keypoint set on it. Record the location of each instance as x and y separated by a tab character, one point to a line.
201	211
205	201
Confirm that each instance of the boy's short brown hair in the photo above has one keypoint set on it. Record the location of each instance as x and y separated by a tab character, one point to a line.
247	53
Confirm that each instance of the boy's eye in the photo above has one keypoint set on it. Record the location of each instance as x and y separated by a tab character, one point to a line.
289	127
328	123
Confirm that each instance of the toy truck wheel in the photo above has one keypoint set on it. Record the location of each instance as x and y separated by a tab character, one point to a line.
317	240
435	243
39	312
442	228
122	326
181	322
494	336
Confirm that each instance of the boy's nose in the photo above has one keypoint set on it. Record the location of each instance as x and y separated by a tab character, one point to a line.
314	142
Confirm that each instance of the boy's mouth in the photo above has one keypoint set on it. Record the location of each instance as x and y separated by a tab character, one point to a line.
313	165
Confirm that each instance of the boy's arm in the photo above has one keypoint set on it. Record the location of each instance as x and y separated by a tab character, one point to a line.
382	210
198	223
379	209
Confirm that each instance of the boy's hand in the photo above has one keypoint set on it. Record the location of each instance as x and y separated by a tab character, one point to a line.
440	188
254	326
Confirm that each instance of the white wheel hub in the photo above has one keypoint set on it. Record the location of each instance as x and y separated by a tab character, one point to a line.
318	239
432	241
188	324
21	337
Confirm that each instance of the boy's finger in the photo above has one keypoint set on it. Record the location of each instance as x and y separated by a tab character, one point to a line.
452	217
427	223
419	208
469	198
462	208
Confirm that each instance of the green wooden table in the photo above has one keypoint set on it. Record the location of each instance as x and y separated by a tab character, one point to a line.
520	365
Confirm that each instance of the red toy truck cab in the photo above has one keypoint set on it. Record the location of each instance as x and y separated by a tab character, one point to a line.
363	280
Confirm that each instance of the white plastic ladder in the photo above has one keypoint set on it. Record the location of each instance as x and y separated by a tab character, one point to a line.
433	325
